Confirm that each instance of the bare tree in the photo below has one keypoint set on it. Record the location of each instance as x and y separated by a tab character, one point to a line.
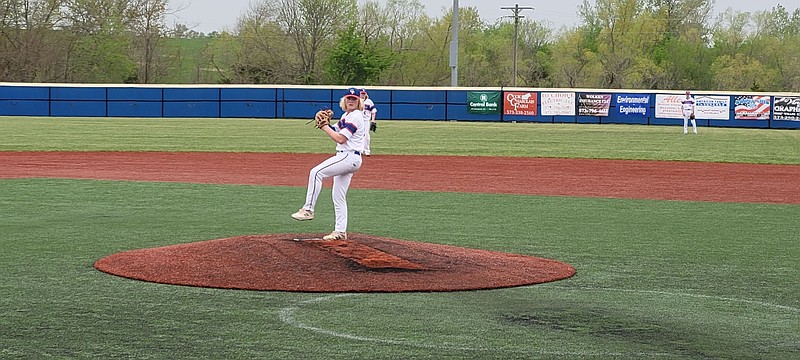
149	29
311	25
260	54
29	40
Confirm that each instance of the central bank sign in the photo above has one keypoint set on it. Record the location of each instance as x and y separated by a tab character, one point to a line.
483	102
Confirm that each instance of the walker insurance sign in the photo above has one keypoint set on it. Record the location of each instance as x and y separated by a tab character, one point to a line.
594	104
519	103
632	104
786	108
483	102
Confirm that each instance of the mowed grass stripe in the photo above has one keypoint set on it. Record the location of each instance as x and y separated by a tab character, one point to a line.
405	137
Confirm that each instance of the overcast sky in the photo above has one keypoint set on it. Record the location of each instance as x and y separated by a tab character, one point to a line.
209	15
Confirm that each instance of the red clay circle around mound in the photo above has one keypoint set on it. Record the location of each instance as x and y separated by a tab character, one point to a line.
363	263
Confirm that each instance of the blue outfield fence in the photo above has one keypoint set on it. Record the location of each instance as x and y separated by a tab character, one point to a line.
539	105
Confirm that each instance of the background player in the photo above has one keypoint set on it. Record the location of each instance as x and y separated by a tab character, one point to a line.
349	135
688	113
369	118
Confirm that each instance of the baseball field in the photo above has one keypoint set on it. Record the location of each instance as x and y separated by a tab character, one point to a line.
684	246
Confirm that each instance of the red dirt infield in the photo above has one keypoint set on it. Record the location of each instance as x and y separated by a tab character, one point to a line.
366	263
631	179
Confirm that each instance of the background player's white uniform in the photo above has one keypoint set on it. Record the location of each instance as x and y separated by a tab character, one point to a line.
369	111
340	166
688	109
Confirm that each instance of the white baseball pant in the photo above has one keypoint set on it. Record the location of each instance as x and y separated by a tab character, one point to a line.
686	115
341	168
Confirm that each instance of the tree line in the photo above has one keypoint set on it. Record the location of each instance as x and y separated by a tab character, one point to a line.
632	44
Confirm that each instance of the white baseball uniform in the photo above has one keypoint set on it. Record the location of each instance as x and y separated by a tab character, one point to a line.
340	166
688	109
369	113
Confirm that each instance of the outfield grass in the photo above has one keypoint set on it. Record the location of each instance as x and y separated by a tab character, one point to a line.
406	137
656	279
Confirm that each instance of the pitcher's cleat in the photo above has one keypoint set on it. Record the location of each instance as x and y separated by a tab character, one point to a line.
303	214
335	236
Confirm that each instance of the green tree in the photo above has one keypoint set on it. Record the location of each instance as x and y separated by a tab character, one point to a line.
401	25
575	57
535	61
102	57
425	60
132	29
220	53
780	44
760	47
351	61
485	52
739	73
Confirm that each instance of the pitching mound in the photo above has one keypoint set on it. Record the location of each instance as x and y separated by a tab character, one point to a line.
362	263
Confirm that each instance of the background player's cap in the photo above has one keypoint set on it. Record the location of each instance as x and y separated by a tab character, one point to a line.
362	91
351	92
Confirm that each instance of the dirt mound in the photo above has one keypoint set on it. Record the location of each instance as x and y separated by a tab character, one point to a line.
363	263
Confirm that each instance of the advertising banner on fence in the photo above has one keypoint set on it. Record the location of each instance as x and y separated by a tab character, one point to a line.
633	104
558	104
668	106
483	102
594	104
712	107
519	103
752	107
786	108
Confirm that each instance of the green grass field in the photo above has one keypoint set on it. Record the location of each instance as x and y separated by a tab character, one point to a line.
656	279
406	137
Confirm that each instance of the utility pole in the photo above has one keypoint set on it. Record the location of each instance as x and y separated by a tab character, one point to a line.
454	48
516	9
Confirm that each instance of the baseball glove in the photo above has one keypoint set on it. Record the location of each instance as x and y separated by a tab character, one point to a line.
691	117
373	126
323	118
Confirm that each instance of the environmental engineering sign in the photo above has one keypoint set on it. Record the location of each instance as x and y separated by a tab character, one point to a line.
633	104
483	102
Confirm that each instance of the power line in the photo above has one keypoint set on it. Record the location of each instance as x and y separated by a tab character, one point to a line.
516	9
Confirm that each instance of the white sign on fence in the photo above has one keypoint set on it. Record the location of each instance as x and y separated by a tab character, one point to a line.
712	107
668	106
558	103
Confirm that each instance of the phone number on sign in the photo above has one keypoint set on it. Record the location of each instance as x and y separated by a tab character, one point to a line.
521	112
